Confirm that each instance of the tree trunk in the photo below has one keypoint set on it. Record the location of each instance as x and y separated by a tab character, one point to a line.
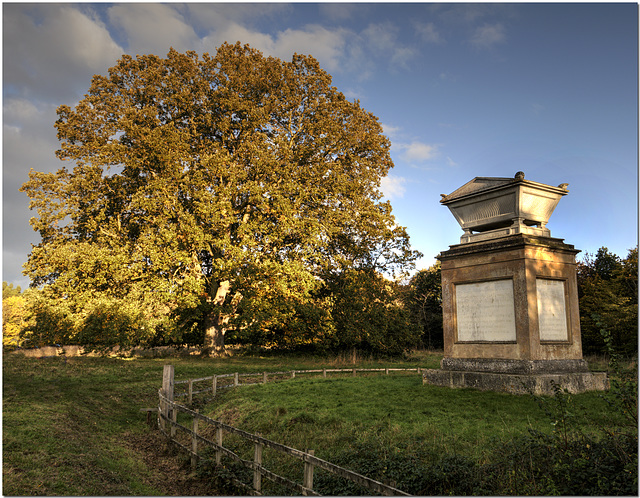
214	328
215	322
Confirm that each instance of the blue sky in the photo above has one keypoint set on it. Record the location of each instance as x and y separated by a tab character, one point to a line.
462	90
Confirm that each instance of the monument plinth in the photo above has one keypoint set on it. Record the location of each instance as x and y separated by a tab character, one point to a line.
509	293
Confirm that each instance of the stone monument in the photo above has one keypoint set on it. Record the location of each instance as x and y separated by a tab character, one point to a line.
509	293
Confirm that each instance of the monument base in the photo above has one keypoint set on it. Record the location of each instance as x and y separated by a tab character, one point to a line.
510	366
518	383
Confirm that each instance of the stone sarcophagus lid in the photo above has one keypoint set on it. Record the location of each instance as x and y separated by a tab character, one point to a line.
498	207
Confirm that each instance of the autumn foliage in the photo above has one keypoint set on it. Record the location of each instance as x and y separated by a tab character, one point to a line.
206	196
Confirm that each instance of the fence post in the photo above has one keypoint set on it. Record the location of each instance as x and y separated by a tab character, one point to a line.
194	443
214	384
174	417
167	392
235	379
190	391
354	372
257	475
293	374
386	371
219	443
307	480
264	378
324	373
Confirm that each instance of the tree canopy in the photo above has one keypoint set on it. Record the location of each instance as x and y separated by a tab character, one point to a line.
423	297
8	290
608	294
203	188
13	303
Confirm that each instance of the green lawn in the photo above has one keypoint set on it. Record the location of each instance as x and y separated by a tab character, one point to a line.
73	427
388	427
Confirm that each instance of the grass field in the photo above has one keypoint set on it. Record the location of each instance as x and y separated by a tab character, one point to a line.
394	428
73	426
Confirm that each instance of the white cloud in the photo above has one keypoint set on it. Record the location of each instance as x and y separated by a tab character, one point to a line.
429	33
488	35
29	140
152	28
451	162
339	11
233	32
402	56
446	76
382	41
417	152
208	17
390	131
392	186
537	108
352	94
325	45
380	37
52	50
17	109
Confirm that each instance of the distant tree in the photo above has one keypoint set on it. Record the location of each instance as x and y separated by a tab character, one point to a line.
13	318
13	314
423	296
8	290
47	321
606	265
204	189
369	314
608	295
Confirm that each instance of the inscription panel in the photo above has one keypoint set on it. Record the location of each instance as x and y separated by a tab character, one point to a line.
552	312
485	311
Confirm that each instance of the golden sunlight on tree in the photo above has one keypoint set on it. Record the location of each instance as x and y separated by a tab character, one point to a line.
206	194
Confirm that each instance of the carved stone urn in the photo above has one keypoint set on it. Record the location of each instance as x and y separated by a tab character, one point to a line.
497	207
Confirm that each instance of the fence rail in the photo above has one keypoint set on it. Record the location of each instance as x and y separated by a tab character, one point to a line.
168	410
225	381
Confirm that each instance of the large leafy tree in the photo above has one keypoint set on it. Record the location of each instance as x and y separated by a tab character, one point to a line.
199	183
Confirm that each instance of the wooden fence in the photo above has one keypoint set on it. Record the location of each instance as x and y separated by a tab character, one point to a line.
225	381
168	410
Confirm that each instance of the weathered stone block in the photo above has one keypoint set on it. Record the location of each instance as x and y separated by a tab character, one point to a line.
537	383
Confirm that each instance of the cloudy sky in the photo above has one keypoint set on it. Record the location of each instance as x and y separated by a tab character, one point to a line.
462	90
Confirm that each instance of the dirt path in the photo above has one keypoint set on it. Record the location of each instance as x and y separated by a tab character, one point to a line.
168	474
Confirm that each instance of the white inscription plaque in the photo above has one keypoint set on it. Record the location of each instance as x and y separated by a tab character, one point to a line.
552	313
485	311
